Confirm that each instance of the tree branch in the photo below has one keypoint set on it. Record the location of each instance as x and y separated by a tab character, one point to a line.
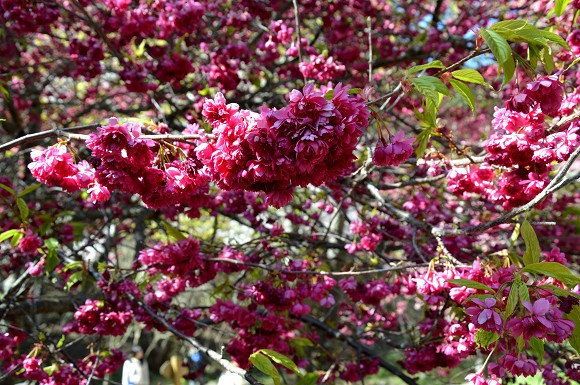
227	365
69	133
359	347
554	185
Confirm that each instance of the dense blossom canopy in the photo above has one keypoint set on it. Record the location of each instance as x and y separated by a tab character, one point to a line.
306	191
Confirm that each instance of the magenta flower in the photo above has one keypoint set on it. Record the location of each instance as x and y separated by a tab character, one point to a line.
99	193
322	68
521	366
217	111
394	153
563	328
534	323
33	368
548	92
327	301
300	309
479	379
51	165
30	243
486	318
555	255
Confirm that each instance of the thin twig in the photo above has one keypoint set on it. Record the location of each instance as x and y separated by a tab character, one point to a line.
227	365
564	121
43	135
69	133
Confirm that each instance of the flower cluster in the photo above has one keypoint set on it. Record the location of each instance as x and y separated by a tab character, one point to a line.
321	68
354	372
255	331
311	140
55	166
457	337
127	162
29	16
541	320
100	365
523	145
180	260
98	317
87	56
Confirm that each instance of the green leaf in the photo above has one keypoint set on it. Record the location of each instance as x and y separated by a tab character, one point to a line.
508	25
299	344
509	69
301	341
425	89
484	338
555	38
60	342
559	291
502	52
8	234
560	6
50	369
512	300
471	284
469	76
430	108
281	359
308	379
534	55
138	50
264	365
11	191
521	344
533	251
421	141
354	91
523	292
548	60
73	265
173	232
537	346
51	262
51	243
498	45
515	234
23	208
554	270
418	68
519	31
29	189
52	255
574	316
329	95
16	238
434	83
73	279
463	90
523	63
431	87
